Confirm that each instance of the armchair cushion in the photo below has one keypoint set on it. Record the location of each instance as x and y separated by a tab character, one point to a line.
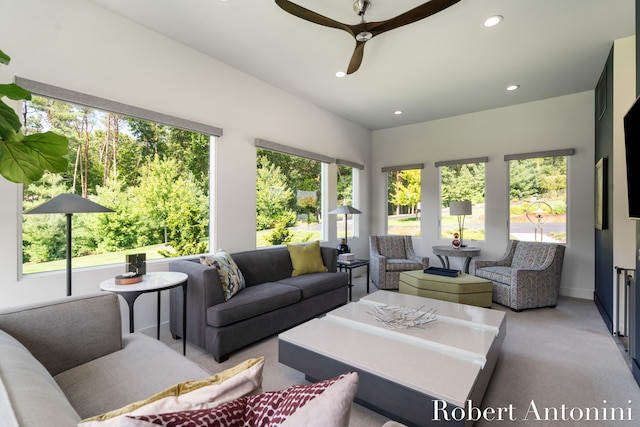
495	274
403	265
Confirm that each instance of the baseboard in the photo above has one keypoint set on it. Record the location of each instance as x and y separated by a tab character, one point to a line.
577	293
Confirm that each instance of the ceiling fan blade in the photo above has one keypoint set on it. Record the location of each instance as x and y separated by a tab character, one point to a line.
311	16
356	58
417	13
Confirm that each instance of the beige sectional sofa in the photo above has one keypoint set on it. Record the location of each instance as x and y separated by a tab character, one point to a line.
66	360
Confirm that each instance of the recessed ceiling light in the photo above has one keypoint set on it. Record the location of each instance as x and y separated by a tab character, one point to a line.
397	112
341	74
492	21
513	87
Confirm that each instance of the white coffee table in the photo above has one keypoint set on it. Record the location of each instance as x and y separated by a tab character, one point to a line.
403	371
152	282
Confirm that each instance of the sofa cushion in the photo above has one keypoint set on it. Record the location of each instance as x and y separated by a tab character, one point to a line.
231	277
252	301
326	403
306	259
30	394
315	284
225	386
264	265
495	274
97	387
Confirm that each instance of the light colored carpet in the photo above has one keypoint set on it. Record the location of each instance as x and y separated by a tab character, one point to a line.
551	357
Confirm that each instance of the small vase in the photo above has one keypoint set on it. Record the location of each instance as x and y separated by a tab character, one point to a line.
343	248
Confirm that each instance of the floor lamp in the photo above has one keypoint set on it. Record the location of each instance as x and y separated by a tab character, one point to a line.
68	204
461	208
346	210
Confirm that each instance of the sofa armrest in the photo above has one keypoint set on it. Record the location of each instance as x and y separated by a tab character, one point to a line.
330	258
68	332
203	291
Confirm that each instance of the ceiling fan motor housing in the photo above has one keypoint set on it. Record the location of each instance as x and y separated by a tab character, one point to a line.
361	6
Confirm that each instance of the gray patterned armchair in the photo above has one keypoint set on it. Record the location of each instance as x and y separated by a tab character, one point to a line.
391	255
527	276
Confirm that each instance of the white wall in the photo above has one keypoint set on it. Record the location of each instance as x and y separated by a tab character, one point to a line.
557	123
624	84
79	46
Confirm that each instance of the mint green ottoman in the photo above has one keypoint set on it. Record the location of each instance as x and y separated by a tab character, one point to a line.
464	289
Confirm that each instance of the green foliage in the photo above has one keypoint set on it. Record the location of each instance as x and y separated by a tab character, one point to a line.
23	159
345	185
43	236
273	197
404	188
158	186
187	220
462	182
280	236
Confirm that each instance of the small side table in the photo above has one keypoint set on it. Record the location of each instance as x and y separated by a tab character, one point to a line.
467	252
349	266
152	282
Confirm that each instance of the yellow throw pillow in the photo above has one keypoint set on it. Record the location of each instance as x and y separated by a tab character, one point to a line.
225	386
306	259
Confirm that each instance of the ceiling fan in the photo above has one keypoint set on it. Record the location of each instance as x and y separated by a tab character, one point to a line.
365	31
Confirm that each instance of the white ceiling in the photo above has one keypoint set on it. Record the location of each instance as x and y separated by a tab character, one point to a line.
445	65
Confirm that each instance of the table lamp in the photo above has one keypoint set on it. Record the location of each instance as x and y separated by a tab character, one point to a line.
346	210
461	208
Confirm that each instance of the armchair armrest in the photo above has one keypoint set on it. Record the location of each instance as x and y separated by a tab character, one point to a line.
411	255
67	332
505	261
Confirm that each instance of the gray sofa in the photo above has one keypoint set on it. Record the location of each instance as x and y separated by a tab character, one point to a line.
271	302
67	360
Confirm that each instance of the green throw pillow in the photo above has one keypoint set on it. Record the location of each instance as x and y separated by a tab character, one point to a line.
230	275
306	259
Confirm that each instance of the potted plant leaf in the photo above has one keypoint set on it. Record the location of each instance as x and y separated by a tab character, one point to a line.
24	158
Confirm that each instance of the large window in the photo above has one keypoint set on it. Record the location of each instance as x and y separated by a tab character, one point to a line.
538	198
462	180
154	177
288	198
403	202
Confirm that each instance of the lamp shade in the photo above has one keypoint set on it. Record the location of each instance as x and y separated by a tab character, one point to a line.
68	204
460	207
345	209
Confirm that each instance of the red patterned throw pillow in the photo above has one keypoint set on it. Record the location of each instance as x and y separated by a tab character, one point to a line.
326	403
